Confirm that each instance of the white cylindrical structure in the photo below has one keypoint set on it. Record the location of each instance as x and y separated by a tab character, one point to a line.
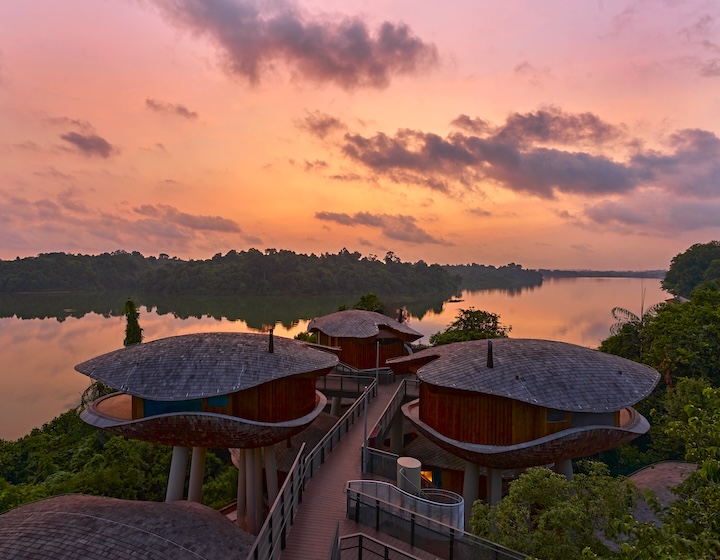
241	503
396	434
252	528
564	467
494	486
257	463
176	479
335	405
471	488
197	473
271	473
408	474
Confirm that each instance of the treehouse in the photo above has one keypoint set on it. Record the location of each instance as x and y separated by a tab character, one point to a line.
238	390
515	403
366	339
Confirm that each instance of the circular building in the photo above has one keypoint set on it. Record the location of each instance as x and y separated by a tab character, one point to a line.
97	528
238	390
511	403
367	339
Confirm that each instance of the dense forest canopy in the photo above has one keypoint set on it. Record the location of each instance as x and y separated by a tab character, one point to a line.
252	272
696	267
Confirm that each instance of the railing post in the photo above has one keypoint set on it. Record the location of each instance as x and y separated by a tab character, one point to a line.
360	547
452	545
357	508
377	515
412	529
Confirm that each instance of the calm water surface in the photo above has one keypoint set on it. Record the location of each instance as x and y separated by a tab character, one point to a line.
37	356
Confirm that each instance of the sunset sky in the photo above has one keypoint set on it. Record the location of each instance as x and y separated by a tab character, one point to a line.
558	134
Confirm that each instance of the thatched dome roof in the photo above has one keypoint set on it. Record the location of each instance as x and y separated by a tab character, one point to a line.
542	372
357	323
97	528
202	365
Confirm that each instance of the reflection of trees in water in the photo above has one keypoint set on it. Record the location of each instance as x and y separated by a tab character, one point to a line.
256	311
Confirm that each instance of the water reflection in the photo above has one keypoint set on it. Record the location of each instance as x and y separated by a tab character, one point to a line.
42	337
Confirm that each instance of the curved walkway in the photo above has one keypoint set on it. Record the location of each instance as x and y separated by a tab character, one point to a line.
324	500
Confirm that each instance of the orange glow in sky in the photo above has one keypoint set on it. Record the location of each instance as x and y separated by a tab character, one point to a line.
554	135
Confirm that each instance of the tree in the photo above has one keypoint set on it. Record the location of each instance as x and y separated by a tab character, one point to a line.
547	516
471	324
688	270
133	332
369	302
627	336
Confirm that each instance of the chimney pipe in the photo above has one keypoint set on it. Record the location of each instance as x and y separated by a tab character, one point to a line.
489	355
271	347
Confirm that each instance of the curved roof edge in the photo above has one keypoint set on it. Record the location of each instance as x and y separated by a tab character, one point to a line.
358	323
541	372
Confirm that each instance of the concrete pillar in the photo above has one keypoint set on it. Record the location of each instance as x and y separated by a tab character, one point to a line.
176	479
564	468
271	473
335	404
241	500
494	486
250	491
396	434
197	473
257	463
471	488
408	474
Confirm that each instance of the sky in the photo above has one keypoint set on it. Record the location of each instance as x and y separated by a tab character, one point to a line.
553	134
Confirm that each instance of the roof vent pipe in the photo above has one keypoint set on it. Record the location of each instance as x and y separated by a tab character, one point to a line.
489	355
271	346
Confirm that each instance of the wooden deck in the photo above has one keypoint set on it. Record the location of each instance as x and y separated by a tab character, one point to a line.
324	498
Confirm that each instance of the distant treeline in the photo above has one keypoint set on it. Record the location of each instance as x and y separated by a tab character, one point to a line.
482	277
602	273
252	272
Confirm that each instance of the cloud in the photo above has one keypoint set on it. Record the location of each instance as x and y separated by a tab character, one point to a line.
533	74
399	227
170	109
544	153
481	212
171	215
320	125
313	165
505	157
66	223
80	124
710	68
254	36
90	144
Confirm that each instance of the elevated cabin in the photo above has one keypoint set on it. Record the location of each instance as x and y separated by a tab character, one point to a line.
510	403
366	338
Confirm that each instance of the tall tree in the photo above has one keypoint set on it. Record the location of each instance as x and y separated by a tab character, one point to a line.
471	324
133	332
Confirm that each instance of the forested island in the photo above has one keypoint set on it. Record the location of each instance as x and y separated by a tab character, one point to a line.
252	272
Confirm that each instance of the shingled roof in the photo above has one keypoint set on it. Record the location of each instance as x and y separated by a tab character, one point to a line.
357	323
200	365
97	528
542	372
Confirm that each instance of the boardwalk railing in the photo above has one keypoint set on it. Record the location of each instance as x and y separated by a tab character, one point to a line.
361	546
422	532
442	506
341	383
270	540
380	462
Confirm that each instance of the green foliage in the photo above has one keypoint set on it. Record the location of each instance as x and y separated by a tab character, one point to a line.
306	337
471	324
549	517
694	267
369	302
511	277
133	332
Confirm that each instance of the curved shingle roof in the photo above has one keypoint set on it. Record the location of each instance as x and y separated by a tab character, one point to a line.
357	323
97	528
542	372
200	365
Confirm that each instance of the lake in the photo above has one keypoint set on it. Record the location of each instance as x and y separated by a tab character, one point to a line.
43	337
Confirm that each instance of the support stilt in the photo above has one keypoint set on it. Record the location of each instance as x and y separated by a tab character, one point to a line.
197	473
176	479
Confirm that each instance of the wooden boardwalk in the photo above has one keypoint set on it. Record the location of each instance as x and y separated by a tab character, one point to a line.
324	500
